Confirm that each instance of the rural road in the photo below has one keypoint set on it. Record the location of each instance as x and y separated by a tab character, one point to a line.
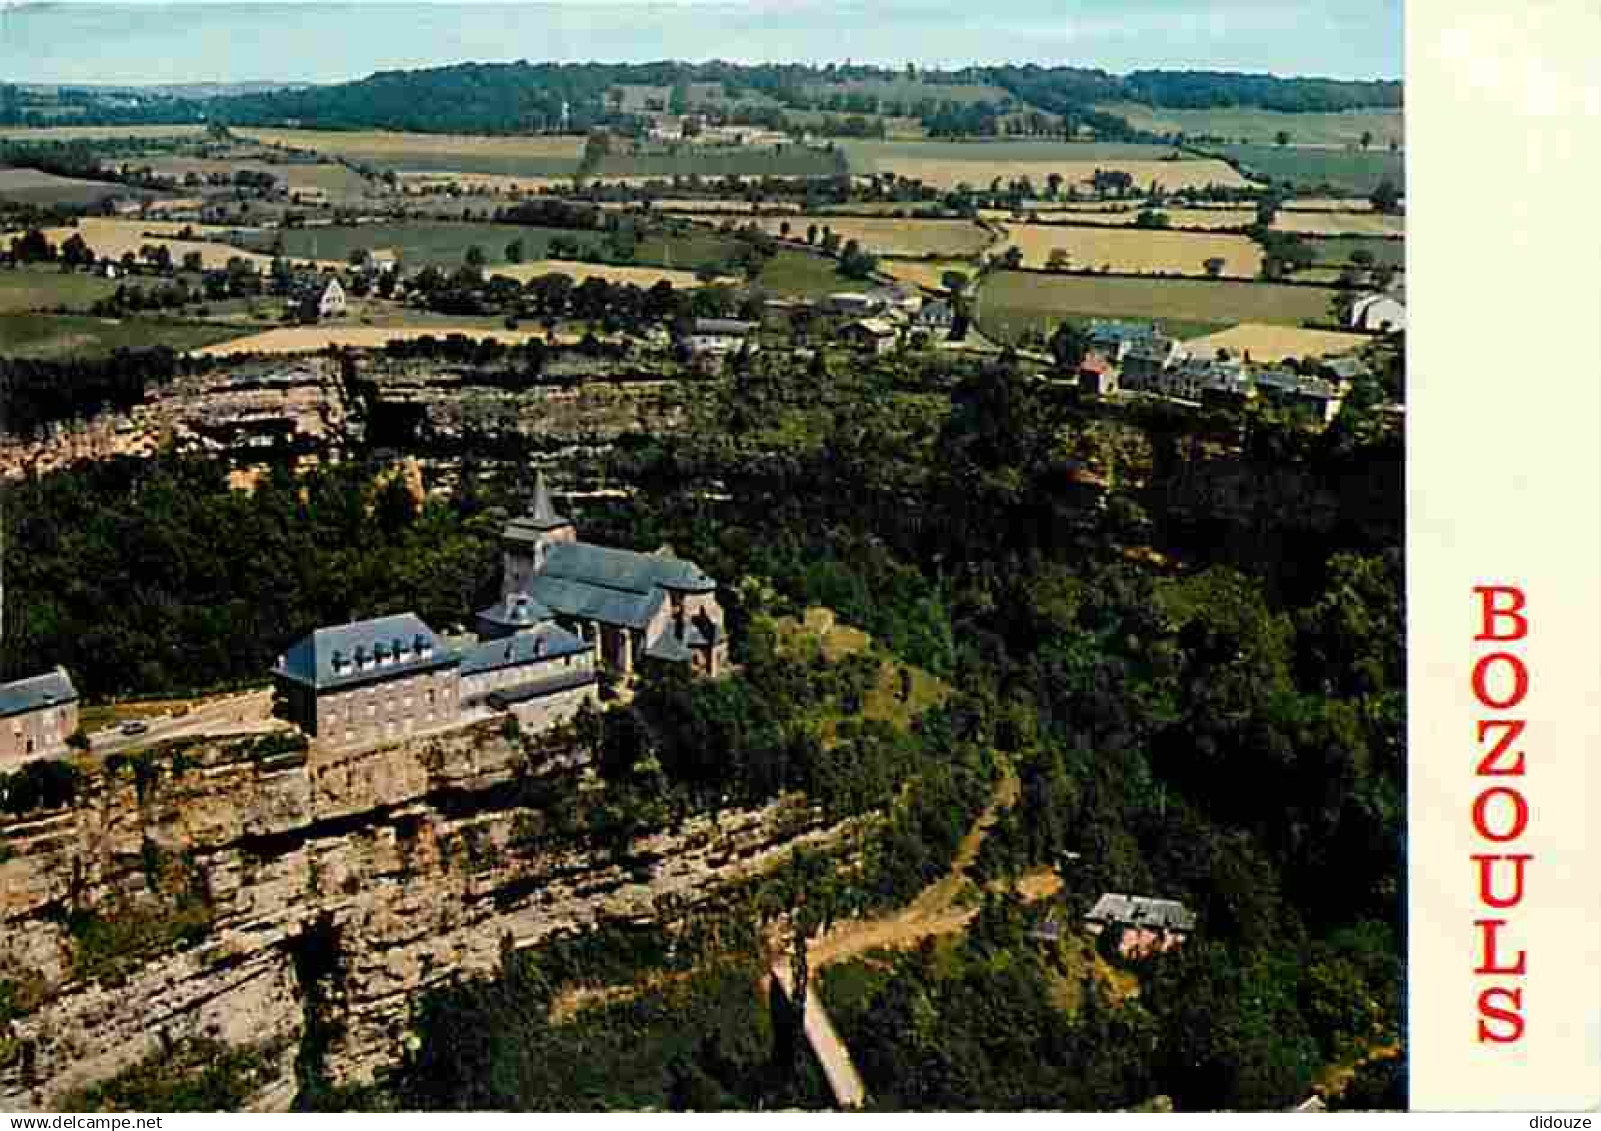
248	713
843	1079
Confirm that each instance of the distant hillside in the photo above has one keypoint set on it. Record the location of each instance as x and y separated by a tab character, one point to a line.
527	97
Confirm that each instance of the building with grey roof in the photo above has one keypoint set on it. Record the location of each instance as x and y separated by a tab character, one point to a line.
624	604
37	715
1137	925
369	681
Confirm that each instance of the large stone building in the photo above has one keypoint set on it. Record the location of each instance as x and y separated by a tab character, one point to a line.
391	677
566	608
37	715
626	605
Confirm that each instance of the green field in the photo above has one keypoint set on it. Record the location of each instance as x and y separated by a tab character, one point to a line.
1311	169
29	186
46	288
444	243
1337	250
1248	125
440	244
799	274
790	161
1013	302
866	155
75	335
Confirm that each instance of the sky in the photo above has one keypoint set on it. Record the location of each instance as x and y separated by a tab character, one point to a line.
167	41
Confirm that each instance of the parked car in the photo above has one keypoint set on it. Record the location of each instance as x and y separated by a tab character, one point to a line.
134	726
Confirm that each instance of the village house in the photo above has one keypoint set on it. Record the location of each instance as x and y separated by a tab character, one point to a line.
1135	926
897	299
937	316
625	605
721	336
1114	340
1309	397
37	716
315	297
852	303
1148	365
1097	377
871	335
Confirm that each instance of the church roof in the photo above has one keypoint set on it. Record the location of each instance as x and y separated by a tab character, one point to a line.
588	600
546	642
626	571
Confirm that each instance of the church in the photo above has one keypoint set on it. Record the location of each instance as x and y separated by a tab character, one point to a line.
567	609
629	606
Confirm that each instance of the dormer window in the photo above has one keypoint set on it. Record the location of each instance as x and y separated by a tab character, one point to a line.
339	662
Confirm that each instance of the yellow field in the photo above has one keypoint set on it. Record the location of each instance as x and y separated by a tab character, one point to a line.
1275	343
1328	204
578	272
1135	251
956	238
110	239
925	273
1171	175
310	339
89	133
396	146
1204	219
1340	223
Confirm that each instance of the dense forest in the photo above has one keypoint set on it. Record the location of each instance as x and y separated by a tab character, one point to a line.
1193	666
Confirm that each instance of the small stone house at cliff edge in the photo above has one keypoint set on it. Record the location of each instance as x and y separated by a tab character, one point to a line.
37	715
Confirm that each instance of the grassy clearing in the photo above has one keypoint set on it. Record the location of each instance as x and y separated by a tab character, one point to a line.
46	288
1015	301
333	179
77	335
819	633
29	186
1136	250
1386	253
1275	343
1254	125
1311	169
801	274
432	244
954	238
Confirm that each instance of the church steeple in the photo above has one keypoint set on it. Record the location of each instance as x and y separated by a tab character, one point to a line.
543	513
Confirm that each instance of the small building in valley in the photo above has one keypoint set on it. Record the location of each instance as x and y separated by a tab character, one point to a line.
871	335
37	716
720	336
936	316
1137	925
315	297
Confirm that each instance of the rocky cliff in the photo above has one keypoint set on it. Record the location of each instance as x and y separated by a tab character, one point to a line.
198	891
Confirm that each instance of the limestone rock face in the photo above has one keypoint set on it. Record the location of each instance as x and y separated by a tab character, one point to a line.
417	859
